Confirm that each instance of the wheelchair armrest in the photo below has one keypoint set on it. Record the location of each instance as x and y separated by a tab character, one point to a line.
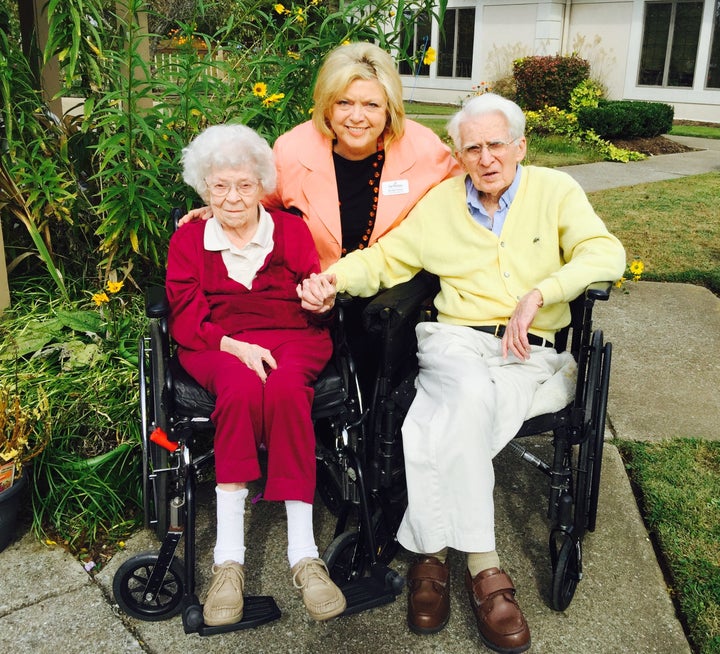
598	291
156	302
397	304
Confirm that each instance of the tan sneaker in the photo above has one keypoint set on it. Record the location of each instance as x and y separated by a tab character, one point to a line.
224	601
322	598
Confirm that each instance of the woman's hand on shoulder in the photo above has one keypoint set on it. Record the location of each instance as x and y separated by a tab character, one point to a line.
317	292
203	212
255	357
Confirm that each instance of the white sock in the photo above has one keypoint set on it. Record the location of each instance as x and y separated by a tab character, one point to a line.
230	543
301	540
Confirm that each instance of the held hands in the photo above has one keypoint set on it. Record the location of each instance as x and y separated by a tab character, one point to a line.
203	212
515	338
317	292
253	356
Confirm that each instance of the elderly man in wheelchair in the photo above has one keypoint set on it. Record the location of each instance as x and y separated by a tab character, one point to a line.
511	246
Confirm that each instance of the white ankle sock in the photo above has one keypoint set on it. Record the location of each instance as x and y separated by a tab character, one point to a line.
230	543
301	540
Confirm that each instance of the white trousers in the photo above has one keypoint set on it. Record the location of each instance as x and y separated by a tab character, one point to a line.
470	403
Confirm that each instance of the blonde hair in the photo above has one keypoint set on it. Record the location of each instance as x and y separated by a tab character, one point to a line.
358	61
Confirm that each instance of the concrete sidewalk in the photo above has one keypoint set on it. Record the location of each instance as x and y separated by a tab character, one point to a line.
48	603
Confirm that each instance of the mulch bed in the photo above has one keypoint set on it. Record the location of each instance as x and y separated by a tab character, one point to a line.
652	146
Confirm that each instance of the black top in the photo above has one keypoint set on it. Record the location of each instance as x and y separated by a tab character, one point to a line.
358	184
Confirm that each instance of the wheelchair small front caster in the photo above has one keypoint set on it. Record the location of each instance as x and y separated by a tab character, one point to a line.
395	582
567	568
130	583
192	618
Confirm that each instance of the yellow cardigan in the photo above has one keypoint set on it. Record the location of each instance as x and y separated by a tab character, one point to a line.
551	240
306	181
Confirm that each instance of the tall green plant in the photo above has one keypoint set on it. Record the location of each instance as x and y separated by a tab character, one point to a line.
140	116
37	182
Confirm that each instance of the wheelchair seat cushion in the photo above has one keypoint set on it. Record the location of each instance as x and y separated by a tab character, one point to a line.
191	399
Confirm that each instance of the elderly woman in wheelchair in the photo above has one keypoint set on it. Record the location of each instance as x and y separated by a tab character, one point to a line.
242	334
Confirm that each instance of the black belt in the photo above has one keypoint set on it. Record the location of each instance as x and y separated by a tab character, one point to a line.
499	330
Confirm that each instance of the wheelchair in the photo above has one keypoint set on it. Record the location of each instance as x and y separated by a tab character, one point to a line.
176	434
577	431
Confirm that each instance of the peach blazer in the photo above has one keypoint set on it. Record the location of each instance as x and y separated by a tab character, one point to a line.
306	181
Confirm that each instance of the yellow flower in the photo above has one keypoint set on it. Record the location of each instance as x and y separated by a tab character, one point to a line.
260	89
637	267
293	55
280	9
270	100
114	287
430	56
100	298
300	15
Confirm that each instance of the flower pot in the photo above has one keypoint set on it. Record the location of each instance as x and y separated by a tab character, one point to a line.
9	505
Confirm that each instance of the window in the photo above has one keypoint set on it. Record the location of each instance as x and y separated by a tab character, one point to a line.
419	45
670	41
713	76
456	43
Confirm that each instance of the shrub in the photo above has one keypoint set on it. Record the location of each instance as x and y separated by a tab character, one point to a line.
586	94
548	80
627	119
551	120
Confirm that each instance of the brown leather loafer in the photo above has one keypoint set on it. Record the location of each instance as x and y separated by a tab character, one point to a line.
501	624
428	584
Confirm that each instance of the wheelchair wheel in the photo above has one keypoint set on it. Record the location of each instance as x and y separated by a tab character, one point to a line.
152	373
591	448
567	568
385	532
345	558
129	588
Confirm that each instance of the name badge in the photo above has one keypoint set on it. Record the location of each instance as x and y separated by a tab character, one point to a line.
396	187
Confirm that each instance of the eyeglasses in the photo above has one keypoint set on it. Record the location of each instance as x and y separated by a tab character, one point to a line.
221	189
495	148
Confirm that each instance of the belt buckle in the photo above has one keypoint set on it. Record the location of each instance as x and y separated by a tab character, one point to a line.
497	331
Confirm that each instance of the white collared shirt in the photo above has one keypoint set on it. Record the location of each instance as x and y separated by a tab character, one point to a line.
242	263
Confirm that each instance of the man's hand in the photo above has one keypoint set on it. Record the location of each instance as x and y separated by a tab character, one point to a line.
515	338
253	356
317	293
193	214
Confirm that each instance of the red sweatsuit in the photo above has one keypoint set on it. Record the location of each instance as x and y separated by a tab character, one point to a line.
205	305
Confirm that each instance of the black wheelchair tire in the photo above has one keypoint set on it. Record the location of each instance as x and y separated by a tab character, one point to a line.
345	558
129	583
566	569
591	447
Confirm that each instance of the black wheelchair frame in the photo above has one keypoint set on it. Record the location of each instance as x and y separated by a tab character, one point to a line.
577	436
359	459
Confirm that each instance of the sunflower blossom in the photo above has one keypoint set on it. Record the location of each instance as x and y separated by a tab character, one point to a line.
272	99
100	298
114	287
430	56
260	89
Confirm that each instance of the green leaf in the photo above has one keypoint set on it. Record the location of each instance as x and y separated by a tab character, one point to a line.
81	321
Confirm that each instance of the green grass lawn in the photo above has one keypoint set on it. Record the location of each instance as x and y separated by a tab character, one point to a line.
673	226
696	130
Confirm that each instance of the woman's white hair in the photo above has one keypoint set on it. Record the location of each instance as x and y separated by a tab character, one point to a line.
481	105
228	146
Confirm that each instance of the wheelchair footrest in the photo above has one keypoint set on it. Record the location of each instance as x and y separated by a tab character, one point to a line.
366	593
258	610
